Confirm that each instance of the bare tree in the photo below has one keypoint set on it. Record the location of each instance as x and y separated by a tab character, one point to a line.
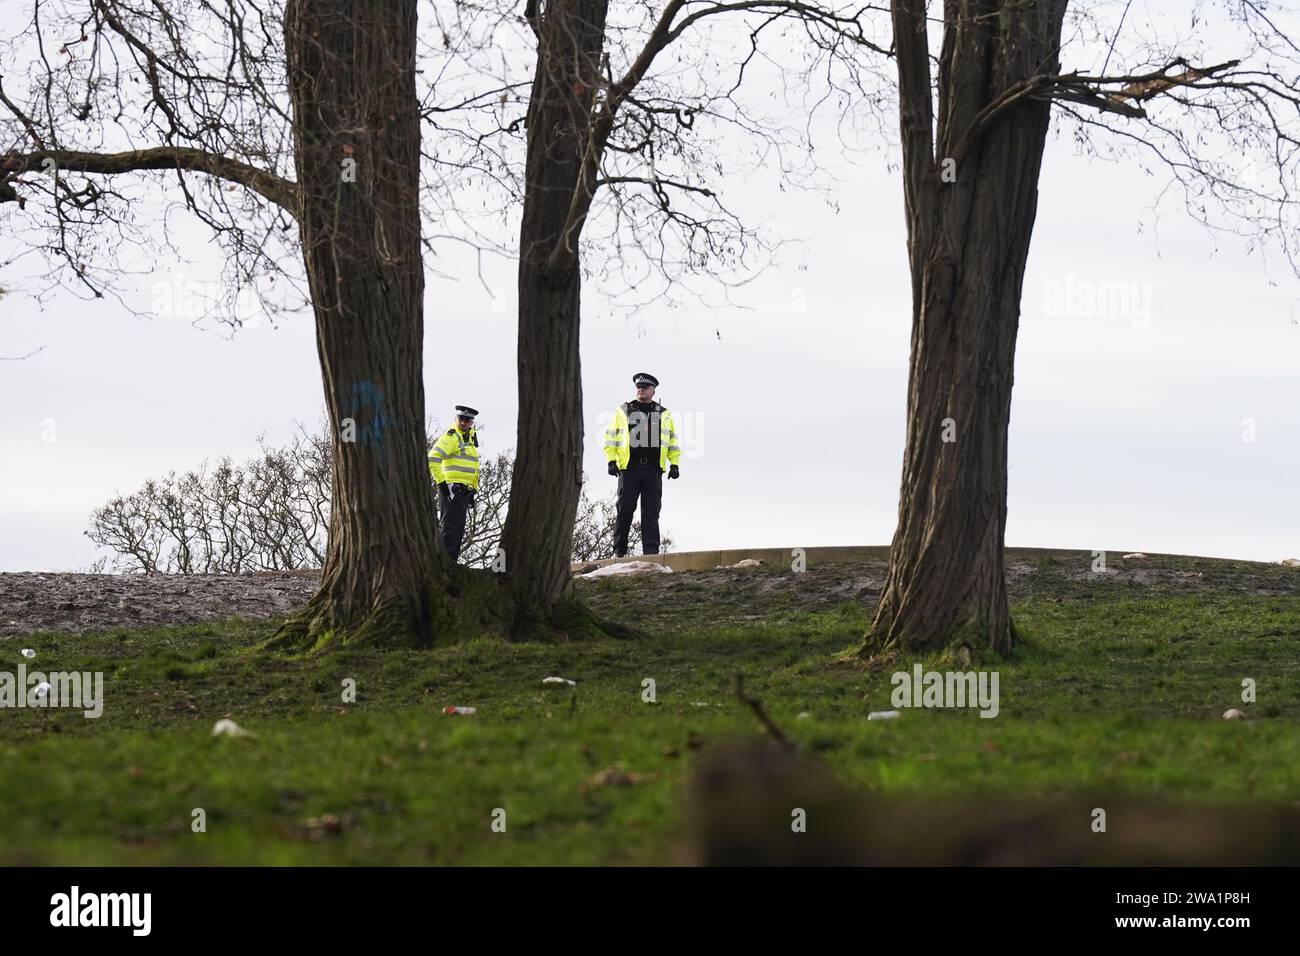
296	140
602	119
974	125
268	514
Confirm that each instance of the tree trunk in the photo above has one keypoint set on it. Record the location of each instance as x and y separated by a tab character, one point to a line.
559	181
969	227
356	143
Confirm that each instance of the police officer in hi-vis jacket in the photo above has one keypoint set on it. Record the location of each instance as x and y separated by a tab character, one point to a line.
453	463
640	444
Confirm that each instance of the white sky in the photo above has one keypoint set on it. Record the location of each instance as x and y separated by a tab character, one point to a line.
1126	432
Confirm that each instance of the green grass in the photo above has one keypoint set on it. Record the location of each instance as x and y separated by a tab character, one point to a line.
1124	695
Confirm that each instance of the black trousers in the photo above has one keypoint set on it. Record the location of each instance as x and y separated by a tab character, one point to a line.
647	483
454	512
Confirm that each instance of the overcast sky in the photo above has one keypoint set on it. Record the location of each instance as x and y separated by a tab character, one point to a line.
1155	405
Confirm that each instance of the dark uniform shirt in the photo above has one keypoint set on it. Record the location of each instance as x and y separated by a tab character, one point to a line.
643	433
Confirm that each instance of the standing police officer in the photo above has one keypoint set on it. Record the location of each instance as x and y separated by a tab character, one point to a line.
453	463
639	444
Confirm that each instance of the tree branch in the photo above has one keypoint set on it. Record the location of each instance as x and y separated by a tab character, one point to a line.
756	705
19	358
916	125
656	183
665	33
282	192
661	36
1079	88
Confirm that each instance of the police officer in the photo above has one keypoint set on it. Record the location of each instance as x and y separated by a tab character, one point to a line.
453	463
639	444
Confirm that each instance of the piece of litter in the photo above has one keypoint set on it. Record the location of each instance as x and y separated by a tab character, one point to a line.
1233	714
42	689
228	728
804	716
699	703
883	715
559	680
1135	554
627	567
1290	562
746	563
27	652
463	711
615	776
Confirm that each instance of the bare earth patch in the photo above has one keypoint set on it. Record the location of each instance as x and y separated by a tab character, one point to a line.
85	603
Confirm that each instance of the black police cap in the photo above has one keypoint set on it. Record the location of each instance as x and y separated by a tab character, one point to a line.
464	411
645	378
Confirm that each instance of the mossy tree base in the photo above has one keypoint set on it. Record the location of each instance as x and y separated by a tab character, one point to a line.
473	603
966	643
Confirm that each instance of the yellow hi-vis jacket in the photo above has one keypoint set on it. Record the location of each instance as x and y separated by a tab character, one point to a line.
454	458
618	446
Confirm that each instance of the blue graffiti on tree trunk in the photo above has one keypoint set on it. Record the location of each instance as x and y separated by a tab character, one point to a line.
365	404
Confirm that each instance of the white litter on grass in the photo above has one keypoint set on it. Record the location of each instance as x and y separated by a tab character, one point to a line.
1135	554
1290	562
746	563
42	689
883	715
459	711
626	567
228	728
1233	714
27	652
559	680
804	716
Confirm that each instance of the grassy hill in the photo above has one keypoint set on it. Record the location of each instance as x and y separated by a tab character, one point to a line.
1117	693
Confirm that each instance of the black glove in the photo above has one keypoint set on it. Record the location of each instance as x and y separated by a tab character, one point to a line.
443	490
613	469
673	472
